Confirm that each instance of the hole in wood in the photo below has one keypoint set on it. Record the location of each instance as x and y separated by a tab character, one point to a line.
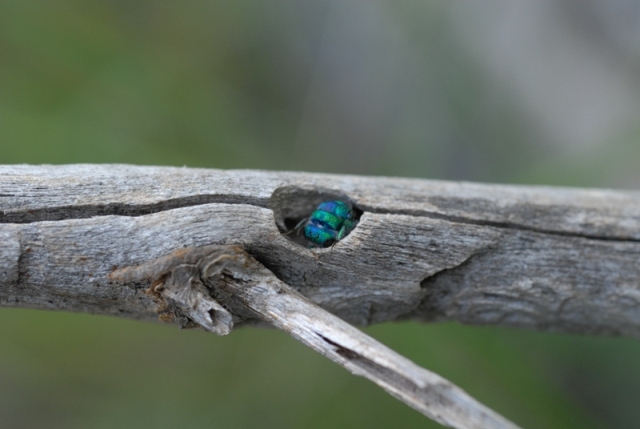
292	205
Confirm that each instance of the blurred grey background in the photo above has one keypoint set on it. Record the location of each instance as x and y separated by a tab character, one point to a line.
531	92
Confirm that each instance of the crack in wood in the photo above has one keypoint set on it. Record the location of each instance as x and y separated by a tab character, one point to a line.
389	376
59	213
21	270
341	350
500	225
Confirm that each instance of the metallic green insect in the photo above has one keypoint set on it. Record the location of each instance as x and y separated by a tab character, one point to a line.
329	223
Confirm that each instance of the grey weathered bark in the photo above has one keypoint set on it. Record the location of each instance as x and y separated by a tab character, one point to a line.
533	257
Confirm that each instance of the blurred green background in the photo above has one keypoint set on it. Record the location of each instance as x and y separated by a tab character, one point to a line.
537	92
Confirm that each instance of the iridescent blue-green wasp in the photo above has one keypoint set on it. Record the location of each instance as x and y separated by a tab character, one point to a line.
329	223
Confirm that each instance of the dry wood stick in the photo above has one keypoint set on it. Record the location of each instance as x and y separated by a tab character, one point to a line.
186	281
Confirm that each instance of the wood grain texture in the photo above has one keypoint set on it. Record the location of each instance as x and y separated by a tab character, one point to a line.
544	258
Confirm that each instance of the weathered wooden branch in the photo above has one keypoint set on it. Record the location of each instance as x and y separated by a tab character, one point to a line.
533	257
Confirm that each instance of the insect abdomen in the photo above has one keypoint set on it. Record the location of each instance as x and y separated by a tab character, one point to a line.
330	222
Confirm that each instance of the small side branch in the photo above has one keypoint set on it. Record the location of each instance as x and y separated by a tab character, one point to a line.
189	279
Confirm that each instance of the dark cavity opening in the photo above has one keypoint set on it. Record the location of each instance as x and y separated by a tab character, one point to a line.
292	204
